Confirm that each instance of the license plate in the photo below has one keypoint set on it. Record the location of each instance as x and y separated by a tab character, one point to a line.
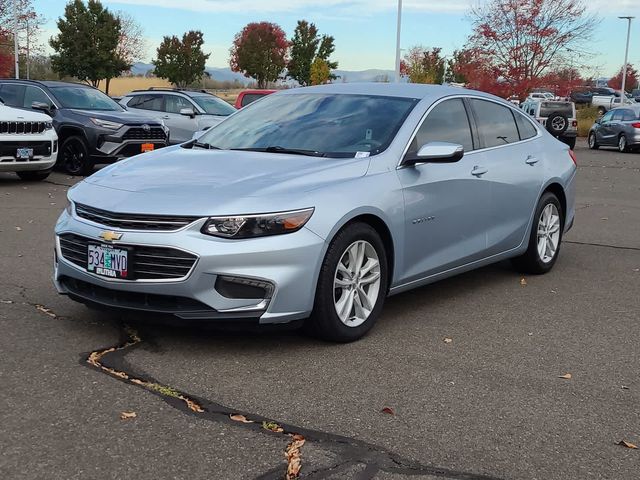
147	147
24	154
107	261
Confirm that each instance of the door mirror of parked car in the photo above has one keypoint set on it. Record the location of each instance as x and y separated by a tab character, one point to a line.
436	152
43	107
187	112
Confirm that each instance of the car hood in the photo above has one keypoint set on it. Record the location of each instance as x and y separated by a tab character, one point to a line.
125	117
16	114
180	181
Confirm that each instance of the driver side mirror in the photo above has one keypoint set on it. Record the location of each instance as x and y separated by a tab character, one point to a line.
436	152
41	106
187	112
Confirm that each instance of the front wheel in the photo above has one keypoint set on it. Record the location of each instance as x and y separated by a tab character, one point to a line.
545	237
593	143
351	287
622	144
74	157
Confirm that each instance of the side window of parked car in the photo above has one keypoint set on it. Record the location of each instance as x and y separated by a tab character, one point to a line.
175	103
34	94
496	125
617	115
12	94
629	116
147	102
607	117
447	122
525	128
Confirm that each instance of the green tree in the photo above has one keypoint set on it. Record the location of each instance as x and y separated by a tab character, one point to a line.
182	62
319	72
259	51
86	47
423	66
307	46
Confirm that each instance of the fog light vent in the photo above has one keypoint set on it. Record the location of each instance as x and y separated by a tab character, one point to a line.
240	287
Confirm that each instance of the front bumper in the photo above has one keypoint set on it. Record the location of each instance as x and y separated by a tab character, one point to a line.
290	263
127	142
45	147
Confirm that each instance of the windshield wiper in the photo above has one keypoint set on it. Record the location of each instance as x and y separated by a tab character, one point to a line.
279	149
207	146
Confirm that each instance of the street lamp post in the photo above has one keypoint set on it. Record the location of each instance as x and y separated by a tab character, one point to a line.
398	41
15	37
626	56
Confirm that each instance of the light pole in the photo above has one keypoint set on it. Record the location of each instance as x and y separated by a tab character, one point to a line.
398	41
15	37
626	56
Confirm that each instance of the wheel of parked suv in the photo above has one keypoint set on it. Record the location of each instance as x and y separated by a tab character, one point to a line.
622	144
74	158
351	287
593	143
545	237
557	123
34	176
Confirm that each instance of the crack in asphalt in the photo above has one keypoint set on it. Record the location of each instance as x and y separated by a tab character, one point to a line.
605	245
350	452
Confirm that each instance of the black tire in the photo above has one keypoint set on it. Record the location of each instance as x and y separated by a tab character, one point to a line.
324	321
571	141
557	124
34	175
593	143
623	146
530	261
74	158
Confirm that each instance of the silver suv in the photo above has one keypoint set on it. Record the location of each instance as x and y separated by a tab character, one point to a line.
558	117
184	112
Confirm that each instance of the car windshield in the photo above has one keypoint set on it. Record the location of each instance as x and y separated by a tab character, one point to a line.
213	105
333	125
84	98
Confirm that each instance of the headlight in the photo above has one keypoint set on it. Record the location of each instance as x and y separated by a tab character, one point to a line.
249	226
106	124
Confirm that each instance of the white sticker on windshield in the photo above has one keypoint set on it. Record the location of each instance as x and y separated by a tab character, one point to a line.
361	154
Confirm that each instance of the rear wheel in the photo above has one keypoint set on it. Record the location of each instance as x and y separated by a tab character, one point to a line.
622	144
34	176
593	143
557	124
545	237
351	287
74	157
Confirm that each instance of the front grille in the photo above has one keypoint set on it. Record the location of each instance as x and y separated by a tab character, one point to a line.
131	221
10	149
145	263
19	128
133	300
139	133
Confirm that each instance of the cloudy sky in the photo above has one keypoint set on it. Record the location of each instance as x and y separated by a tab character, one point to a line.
364	29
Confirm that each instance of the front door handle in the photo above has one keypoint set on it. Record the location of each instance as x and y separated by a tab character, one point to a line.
478	170
531	160
166	117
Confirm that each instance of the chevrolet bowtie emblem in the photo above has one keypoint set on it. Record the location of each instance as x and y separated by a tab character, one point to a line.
110	236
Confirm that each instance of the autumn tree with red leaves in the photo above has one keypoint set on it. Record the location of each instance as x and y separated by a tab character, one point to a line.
259	51
523	39
632	79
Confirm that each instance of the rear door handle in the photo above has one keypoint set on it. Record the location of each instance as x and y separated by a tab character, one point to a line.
478	170
531	160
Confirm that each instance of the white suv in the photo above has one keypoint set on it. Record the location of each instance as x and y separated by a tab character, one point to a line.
28	143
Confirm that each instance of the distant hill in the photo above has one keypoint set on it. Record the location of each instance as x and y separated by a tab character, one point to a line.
225	74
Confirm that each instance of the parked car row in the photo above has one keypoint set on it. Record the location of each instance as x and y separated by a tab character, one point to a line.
618	128
93	128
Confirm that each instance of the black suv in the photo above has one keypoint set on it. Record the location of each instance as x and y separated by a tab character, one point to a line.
91	127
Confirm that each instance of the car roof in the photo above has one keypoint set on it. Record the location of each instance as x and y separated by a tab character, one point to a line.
46	83
188	93
406	90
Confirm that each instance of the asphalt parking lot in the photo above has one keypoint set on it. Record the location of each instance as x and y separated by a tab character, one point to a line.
488	403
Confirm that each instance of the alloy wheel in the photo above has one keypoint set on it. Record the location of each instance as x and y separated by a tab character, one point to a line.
622	143
73	157
558	124
356	283
592	140
548	233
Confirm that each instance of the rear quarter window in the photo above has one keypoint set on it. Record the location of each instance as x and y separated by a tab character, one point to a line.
496	124
525	128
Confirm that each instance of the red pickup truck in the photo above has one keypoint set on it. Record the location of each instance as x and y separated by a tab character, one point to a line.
247	96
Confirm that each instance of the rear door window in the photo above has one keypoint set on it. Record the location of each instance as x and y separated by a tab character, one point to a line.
629	116
147	102
12	94
617	115
496	125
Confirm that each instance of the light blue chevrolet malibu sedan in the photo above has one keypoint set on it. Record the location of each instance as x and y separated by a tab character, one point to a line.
317	203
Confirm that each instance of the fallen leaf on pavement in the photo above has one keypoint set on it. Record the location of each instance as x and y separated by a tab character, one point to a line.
624	387
627	444
46	311
388	410
566	376
523	282
6	301
240	418
19	229
127	415
448	340
273	426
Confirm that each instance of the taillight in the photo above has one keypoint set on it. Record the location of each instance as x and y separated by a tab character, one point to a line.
636	125
574	123
572	154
